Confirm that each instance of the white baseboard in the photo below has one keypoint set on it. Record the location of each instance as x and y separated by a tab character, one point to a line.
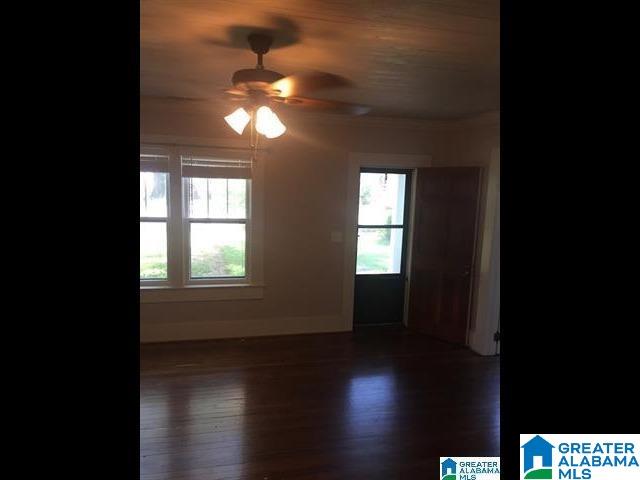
163	331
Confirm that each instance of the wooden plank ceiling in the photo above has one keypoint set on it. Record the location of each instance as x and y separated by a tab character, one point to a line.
432	59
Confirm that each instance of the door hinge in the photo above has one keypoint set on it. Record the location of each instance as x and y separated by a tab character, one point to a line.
496	336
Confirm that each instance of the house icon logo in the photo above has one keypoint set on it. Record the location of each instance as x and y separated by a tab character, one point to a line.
449	467
537	459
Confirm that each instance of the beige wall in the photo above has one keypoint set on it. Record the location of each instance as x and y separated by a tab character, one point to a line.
304	201
472	141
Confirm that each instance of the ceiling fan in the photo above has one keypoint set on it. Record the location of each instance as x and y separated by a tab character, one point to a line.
259	89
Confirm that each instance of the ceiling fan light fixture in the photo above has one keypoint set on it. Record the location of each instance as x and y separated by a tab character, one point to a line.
238	120
268	123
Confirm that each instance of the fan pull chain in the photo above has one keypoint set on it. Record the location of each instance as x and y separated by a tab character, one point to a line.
253	139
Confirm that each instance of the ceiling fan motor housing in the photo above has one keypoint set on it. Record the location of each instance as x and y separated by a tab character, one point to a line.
249	76
256	78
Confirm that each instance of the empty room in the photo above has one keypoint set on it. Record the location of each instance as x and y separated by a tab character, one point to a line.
319	238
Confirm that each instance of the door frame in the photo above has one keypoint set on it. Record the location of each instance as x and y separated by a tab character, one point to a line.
357	161
487	279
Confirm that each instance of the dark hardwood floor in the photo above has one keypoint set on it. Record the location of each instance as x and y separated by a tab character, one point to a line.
379	403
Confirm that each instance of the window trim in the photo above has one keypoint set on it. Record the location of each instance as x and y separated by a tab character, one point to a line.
179	287
157	152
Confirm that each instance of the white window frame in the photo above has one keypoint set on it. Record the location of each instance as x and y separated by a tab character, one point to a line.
186	229
157	152
180	287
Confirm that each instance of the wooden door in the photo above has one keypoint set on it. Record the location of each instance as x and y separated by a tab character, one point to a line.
443	251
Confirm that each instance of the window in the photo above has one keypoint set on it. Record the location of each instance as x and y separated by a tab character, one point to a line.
199	219
216	191
381	222
153	217
216	226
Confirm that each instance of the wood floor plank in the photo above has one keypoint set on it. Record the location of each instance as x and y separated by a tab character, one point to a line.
376	403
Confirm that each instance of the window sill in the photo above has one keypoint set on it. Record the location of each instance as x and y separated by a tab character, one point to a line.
200	293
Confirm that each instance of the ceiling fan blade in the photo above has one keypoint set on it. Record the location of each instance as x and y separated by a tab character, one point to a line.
235	95
331	106
302	83
235	92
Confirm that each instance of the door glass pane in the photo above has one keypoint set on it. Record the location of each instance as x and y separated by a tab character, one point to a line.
153	194
153	250
381	198
217	250
216	197
379	250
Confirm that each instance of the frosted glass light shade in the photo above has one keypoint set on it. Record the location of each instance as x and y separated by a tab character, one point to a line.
238	120
268	123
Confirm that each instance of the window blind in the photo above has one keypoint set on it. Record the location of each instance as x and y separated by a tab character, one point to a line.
154	163
206	167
